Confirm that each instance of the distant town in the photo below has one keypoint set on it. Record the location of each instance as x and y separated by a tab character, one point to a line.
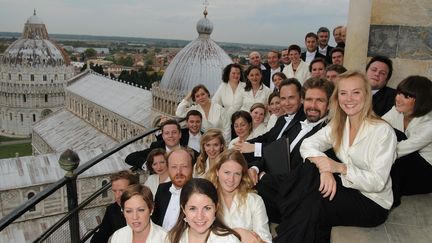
140	61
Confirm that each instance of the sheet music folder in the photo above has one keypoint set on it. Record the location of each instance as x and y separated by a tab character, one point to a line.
276	156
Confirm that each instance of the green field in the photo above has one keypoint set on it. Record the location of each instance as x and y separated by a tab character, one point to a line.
8	151
6	139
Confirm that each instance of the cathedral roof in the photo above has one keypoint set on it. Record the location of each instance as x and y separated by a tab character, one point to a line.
20	172
34	48
130	102
199	62
63	130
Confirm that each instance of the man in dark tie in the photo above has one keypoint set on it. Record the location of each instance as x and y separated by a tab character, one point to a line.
167	198
316	97
290	100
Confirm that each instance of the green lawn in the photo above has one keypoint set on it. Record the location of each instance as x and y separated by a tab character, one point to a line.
6	139
8	151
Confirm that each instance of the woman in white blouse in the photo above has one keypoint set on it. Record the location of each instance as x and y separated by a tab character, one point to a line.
254	91
157	166
412	115
354	192
274	109
297	68
230	92
242	123
137	206
258	112
213	114
199	221
242	209
212	144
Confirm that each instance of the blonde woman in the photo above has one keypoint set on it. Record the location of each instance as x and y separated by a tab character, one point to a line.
212	144
242	209
354	192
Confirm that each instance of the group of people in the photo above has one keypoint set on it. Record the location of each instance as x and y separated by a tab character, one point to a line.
355	147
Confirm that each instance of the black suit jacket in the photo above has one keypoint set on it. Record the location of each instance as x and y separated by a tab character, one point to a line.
383	100
266	79
295	156
317	54
112	221
273	133
138	158
162	198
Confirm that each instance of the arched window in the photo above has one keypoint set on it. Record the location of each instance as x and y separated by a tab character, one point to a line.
34	117
10	116
22	117
19	77
46	98
44	78
30	195
9	76
55	77
105	193
24	98
31	77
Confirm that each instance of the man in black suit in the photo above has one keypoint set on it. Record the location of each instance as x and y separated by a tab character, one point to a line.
167	198
113	218
171	135
272	66
323	47
290	101
311	42
316	96
191	135
379	71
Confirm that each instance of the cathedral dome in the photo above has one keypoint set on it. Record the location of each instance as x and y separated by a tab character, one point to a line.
200	62
34	48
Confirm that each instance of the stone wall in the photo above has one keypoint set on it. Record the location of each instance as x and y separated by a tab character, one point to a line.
399	29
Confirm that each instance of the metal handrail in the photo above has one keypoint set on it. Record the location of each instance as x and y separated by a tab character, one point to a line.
65	219
23	208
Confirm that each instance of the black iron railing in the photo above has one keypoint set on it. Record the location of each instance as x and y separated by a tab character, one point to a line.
73	209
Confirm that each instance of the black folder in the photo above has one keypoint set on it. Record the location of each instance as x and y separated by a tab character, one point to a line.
276	156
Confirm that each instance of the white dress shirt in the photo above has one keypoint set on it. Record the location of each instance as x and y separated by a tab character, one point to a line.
301	74
125	234
194	141
173	209
418	132
323	51
258	146
368	160
217	117
306	127
309	57
261	96
213	238
152	182
250	216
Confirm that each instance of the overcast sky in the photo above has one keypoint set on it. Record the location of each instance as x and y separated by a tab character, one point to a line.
275	22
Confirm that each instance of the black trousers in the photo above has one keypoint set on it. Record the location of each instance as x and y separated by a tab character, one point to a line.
308	217
411	174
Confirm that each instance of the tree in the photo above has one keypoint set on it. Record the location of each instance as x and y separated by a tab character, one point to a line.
89	53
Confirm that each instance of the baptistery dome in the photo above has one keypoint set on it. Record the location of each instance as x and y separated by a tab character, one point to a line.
33	73
200	62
